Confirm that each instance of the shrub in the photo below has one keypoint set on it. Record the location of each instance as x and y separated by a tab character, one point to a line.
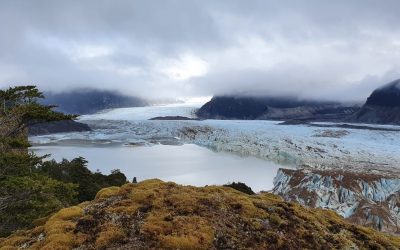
75	171
32	197
240	187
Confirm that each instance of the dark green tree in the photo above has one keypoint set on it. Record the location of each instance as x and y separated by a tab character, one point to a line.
75	171
26	198
26	195
31	188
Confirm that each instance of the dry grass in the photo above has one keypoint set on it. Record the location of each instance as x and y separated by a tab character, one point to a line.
112	234
59	241
8	248
14	241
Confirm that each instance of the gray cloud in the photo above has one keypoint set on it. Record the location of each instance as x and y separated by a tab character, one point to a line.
313	49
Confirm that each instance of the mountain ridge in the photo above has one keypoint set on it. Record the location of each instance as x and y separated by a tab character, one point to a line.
382	106
88	101
272	108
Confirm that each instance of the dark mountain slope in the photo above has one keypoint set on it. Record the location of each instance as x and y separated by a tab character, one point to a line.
227	107
382	106
386	96
87	101
278	108
57	127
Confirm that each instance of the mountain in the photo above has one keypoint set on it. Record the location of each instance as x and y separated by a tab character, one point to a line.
57	127
163	215
229	107
386	96
274	108
382	106
88	101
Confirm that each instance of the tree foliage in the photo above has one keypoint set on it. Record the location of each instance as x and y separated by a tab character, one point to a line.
75	171
30	187
25	198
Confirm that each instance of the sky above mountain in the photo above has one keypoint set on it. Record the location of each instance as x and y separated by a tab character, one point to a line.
338	50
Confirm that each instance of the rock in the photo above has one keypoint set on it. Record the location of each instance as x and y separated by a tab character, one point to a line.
57	127
88	101
273	108
310	113
229	107
294	122
332	133
242	187
378	115
382	106
363	198
173	118
386	96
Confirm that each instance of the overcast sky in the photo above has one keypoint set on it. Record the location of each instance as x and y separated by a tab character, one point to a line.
339	49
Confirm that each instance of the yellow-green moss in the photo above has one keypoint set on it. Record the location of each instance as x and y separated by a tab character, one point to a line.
83	204
13	241
183	242
67	214
111	234
107	192
8	248
157	214
58	241
275	219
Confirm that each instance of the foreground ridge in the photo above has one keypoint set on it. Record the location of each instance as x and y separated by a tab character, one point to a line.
157	214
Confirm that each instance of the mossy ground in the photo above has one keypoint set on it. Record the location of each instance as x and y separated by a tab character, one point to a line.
156	214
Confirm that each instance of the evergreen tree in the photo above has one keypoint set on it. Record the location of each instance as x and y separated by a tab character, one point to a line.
31	188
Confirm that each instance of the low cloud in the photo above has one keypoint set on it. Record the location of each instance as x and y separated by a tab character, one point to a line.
168	49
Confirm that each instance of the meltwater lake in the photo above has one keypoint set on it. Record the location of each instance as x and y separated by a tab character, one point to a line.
186	164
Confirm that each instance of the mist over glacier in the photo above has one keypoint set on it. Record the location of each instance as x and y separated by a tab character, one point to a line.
173	49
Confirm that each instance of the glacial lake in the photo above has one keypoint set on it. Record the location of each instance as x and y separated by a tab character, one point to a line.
187	164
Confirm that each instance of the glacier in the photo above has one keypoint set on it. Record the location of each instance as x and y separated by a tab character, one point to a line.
366	199
291	145
329	154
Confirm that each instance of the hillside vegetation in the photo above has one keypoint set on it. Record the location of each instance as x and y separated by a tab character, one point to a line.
30	187
156	214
